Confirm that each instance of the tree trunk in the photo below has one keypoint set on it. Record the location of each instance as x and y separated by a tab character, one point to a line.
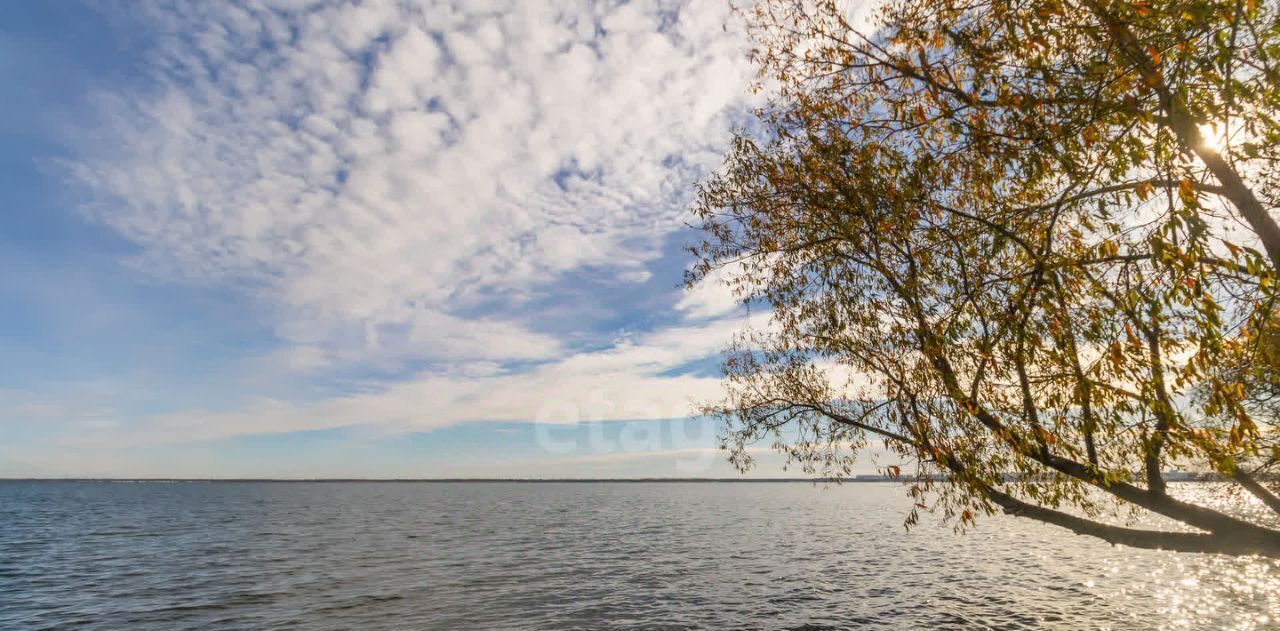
1233	543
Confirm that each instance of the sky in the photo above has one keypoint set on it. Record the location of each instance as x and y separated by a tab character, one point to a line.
419	238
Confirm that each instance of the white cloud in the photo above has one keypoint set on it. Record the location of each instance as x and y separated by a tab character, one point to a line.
712	296
379	171
631	380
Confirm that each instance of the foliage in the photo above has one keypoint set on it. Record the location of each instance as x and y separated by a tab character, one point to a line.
1028	246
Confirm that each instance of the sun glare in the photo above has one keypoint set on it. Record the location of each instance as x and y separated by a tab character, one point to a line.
1214	137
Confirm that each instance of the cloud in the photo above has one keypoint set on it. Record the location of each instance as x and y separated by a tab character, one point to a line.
395	179
632	380
712	296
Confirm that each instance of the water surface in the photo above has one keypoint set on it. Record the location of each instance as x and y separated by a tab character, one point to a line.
577	556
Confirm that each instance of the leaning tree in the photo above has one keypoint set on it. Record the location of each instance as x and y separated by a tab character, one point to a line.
1027	246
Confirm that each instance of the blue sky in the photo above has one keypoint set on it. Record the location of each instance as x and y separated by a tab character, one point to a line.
359	239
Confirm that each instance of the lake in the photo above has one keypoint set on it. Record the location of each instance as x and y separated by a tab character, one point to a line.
409	555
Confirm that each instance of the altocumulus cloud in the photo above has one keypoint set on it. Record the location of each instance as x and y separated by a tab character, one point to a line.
396	180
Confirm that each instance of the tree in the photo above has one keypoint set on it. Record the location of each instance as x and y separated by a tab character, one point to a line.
1020	244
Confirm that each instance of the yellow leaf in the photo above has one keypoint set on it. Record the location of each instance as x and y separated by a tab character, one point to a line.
1144	190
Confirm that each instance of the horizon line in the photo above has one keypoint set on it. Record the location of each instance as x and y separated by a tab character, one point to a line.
445	480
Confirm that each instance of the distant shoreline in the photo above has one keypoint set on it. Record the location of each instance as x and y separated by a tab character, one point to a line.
865	479
460	480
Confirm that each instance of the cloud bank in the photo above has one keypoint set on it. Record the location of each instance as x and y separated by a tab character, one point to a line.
394	183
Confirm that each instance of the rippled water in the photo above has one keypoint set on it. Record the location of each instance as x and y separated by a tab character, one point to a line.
561	556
